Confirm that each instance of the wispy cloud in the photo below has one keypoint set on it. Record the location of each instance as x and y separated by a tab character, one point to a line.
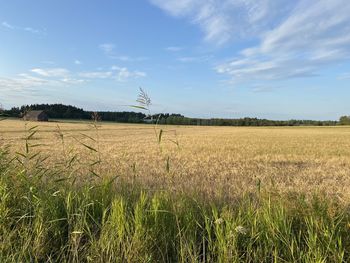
344	76
224	20
21	82
194	59
47	78
174	49
294	38
7	25
41	79
51	72
264	88
315	35
123	73
128	59
107	48
27	29
77	62
115	72
96	74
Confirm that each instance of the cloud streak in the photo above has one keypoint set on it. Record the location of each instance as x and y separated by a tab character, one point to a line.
21	82
194	59
26	29
117	73
224	20
174	49
315	35
109	50
38	78
51	72
293	38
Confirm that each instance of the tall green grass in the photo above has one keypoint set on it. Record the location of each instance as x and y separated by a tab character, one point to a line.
44	218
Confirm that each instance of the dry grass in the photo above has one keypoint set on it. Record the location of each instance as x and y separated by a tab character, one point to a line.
54	210
217	161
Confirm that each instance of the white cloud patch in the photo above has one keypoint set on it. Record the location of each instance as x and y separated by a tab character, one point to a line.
77	62
21	82
224	20
174	49
293	38
128	59
27	29
264	89
124	74
344	76
107	48
51	72
316	34
40	79
72	81
194	59
115	72
7	25
96	74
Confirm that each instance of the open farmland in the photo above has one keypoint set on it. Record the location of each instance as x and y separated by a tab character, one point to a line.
104	192
214	160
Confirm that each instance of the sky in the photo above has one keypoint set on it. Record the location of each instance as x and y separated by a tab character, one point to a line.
276	59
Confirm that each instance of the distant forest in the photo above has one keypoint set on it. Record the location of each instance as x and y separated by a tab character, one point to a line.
60	111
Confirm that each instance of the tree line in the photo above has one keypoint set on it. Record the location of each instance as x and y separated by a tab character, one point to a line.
60	111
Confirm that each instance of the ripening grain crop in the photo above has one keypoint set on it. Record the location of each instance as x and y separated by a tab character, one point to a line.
214	160
105	192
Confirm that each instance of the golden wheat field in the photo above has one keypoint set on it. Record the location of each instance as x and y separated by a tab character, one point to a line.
224	161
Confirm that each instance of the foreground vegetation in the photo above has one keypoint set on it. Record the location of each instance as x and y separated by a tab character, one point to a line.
112	193
44	218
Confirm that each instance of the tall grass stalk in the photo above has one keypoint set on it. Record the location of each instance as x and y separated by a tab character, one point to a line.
48	221
48	215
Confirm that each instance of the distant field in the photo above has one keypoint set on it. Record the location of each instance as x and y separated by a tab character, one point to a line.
104	192
217	161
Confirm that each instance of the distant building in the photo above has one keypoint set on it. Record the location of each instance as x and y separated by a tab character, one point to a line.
35	115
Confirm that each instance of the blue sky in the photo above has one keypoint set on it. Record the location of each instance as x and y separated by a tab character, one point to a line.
202	58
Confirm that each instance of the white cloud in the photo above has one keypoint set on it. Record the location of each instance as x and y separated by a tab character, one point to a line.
27	29
293	38
115	72
20	82
32	30
7	25
128	59
77	62
344	76
48	62
194	59
123	74
174	49
315	35
264	89
27	82
107	48
51	72
224	20
96	74
73	81
40	79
